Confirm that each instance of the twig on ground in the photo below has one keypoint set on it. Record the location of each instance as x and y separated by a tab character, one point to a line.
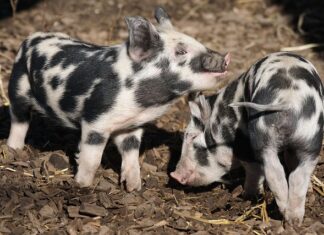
4	98
303	47
157	225
239	220
213	221
318	185
193	10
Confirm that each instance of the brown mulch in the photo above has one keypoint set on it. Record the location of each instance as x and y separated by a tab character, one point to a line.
38	194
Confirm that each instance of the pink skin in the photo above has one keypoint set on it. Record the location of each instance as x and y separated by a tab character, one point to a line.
183	177
185	174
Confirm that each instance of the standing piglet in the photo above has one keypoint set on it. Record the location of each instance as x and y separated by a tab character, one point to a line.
108	91
275	107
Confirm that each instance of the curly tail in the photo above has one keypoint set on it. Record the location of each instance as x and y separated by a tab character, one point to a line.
260	107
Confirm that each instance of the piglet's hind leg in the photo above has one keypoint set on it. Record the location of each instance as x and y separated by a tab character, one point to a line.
275	177
298	184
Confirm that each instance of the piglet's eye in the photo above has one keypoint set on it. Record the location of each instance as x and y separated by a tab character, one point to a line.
190	136
181	52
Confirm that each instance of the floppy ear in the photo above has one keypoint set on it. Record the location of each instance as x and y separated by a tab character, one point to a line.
200	109
142	38
163	18
205	108
195	110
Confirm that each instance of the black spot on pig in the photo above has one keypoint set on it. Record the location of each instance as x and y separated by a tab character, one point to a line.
198	123
160	90
308	77
230	92
102	97
36	40
55	82
19	105
136	67
95	138
111	54
264	96
201	155
83	78
210	142
274	61
247	90
227	133
37	80
196	64
163	63
214	127
129	143
129	82
280	80
212	99
67	103
182	63
258	65
309	107
57	59
293	56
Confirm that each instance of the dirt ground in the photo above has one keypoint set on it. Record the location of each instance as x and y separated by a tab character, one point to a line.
37	191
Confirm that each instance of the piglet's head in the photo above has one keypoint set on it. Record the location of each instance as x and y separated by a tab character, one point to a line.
203	159
168	49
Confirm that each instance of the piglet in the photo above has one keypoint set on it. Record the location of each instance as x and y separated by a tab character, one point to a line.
108	91
272	111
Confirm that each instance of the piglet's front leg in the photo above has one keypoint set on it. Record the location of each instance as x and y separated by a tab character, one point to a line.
128	145
91	148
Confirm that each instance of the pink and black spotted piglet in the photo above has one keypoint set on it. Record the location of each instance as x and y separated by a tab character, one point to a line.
108	91
270	121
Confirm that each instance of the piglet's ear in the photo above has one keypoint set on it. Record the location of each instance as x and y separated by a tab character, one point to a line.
142	38
200	108
194	109
163	18
205	108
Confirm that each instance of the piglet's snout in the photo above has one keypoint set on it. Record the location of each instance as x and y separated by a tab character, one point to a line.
183	174
215	62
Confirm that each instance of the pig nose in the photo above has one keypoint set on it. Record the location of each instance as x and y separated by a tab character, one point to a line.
215	62
210	62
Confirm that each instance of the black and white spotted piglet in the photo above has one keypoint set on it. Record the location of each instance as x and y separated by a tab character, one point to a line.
108	91
274	109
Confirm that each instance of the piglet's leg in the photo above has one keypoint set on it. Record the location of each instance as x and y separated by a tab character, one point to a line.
298	185
275	177
18	131
91	149
254	178
128	145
